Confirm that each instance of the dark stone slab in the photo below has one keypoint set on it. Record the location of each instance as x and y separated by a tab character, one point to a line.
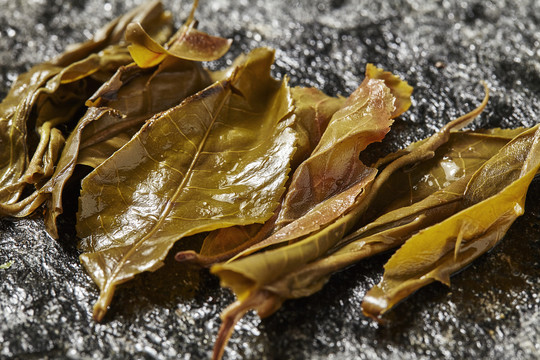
443	48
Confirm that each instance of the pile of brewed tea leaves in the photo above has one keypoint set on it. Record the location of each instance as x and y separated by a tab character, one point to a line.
262	182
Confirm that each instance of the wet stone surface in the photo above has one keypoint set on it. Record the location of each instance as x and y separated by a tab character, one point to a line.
443	49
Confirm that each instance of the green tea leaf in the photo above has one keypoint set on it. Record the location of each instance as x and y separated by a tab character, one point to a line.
494	198
219	159
252	277
188	43
401	90
393	227
334	165
312	113
52	94
325	186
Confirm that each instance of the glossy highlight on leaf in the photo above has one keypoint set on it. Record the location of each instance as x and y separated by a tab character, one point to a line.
219	159
312	113
459	157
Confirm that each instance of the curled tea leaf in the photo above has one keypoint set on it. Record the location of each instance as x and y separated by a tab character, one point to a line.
259	272
188	43
50	95
401	90
442	249
418	211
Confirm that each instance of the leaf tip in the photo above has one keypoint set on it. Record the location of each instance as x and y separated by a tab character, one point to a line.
375	304
187	255
193	258
99	313
102	304
399	88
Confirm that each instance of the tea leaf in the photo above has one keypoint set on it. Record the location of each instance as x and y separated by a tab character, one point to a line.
494	198
220	158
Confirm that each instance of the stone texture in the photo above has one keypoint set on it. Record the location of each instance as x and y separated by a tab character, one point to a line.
443	48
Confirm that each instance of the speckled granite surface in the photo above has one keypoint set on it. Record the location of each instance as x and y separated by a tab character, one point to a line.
443	49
